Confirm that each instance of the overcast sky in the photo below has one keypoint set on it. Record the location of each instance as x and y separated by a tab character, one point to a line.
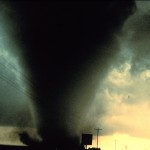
123	96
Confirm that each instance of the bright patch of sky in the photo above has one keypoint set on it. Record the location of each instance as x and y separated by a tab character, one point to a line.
125	99
122	103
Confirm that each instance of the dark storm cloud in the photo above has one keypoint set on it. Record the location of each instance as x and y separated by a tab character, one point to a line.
15	101
137	32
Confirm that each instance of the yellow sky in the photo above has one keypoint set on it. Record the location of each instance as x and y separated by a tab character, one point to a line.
121	142
128	109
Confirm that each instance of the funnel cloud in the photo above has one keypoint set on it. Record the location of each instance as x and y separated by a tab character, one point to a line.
70	49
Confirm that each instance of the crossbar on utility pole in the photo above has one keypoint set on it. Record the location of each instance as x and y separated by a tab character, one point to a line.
97	135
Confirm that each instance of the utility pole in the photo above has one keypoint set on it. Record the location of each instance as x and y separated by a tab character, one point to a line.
97	135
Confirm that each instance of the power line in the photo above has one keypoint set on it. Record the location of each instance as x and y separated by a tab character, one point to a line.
25	80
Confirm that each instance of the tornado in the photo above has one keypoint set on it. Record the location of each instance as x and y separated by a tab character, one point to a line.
68	47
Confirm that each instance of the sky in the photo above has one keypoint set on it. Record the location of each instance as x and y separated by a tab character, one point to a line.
90	68
124	92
